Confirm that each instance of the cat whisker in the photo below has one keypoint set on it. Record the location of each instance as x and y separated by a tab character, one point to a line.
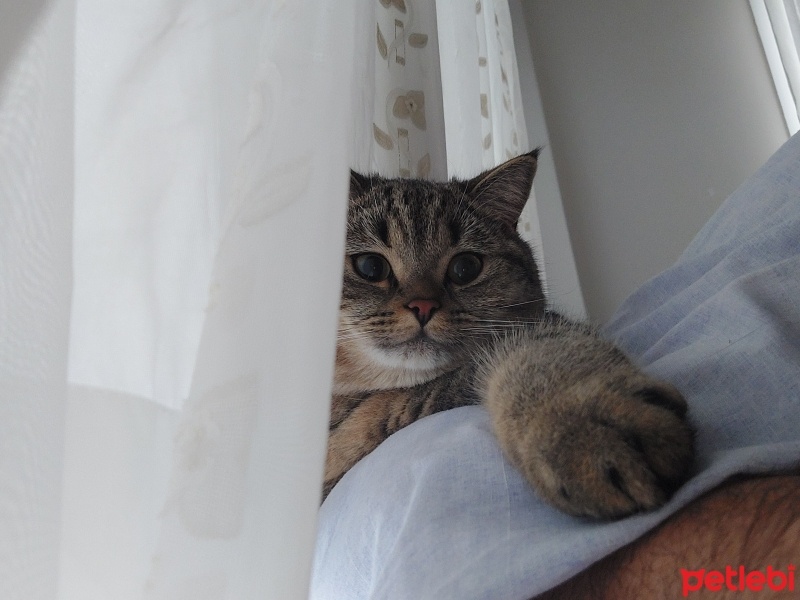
537	301
516	322
509	320
490	324
482	332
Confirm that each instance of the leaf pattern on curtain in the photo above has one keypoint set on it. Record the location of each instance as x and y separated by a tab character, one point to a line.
400	126
495	61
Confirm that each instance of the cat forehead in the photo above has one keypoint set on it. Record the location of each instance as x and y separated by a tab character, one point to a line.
408	195
409	211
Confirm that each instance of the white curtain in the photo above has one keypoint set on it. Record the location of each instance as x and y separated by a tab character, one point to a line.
172	184
778	23
170	268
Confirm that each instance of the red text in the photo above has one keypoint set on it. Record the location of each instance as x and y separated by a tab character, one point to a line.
738	579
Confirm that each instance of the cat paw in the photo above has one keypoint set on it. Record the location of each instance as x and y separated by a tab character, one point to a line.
628	452
605	448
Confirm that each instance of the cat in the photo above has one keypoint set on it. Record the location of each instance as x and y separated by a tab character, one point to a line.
442	306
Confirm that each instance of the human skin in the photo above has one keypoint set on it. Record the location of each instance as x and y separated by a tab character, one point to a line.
753	522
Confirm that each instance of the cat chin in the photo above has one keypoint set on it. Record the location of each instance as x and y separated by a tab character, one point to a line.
406	360
379	370
361	365
409	364
418	354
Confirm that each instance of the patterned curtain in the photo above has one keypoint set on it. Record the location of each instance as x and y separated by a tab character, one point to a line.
172	176
444	100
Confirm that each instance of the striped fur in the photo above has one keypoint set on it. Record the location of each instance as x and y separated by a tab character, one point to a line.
591	433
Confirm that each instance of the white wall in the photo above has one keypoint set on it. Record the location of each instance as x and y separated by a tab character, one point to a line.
656	111
562	283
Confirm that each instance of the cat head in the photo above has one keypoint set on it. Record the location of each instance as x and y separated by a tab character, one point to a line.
431	271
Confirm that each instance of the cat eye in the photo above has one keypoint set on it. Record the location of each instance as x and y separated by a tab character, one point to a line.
372	267
464	268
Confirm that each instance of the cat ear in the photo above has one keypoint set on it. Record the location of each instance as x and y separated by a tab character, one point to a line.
358	184
503	191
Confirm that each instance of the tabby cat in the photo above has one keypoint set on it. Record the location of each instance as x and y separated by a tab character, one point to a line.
442	306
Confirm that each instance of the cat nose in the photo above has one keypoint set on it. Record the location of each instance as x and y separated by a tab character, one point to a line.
423	310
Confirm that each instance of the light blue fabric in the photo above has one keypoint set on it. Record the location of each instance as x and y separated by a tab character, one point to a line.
436	512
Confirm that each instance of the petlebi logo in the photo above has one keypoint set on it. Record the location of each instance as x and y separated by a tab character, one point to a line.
738	579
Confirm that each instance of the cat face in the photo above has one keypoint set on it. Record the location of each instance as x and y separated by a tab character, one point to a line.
431	271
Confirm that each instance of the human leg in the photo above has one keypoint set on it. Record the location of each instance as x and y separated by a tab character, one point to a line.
743	526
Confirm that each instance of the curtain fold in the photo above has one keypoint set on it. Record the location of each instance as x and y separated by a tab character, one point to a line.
36	180
778	23
170	278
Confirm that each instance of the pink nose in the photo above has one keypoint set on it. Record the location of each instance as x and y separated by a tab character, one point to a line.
423	309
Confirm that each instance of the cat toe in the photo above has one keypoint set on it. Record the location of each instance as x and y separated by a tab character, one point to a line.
631	459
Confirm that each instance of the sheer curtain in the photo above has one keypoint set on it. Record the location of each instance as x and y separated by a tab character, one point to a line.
172	176
778	23
168	289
